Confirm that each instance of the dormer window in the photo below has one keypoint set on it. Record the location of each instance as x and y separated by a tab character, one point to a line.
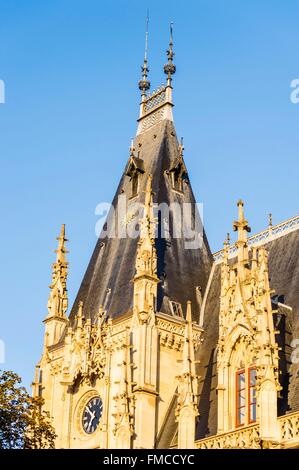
134	170
178	174
176	309
135	184
177	181
178	171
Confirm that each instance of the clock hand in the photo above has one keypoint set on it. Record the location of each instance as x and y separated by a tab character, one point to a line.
90	412
91	420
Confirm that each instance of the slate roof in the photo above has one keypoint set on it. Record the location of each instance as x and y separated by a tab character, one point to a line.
107	280
284	279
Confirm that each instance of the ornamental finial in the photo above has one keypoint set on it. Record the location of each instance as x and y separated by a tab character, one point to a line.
181	148
144	84
61	251
132	148
58	300
241	225
170	68
226	242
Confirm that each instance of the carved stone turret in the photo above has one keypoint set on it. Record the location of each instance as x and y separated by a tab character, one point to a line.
144	329
58	300
187	408
246	343
124	400
145	279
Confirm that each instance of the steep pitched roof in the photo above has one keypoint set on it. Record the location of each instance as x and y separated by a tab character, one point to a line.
107	280
284	279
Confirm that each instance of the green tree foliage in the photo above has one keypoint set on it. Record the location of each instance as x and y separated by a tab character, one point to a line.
39	432
23	423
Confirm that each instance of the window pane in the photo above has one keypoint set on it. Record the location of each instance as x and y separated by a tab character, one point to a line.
252	375
241	416
241	398
241	380
252	395
253	412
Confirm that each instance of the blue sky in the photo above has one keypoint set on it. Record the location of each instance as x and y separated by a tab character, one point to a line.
71	69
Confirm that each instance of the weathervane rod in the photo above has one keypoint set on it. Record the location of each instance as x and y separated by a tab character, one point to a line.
144	84
146	35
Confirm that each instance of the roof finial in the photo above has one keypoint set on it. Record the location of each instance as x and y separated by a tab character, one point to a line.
242	227
80	317
58	300
61	251
132	148
170	68
181	148
144	84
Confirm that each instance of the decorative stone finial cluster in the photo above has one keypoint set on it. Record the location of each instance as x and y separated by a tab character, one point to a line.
144	84
170	68
58	299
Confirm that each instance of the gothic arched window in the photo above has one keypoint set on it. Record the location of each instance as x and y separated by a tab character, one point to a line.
177	181
245	396
134	171
252	395
240	398
178	174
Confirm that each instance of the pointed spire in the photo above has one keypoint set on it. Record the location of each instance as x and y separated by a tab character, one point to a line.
146	259
187	388
61	251
79	316
188	351
147	223
170	68
144	84
100	315
58	300
148	195
226	248
242	227
189	312
132	148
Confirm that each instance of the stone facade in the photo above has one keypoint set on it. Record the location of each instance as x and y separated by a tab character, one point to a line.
167	346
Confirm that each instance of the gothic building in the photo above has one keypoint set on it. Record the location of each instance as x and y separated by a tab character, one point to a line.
168	345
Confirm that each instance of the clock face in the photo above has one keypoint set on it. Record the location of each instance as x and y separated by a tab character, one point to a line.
92	415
